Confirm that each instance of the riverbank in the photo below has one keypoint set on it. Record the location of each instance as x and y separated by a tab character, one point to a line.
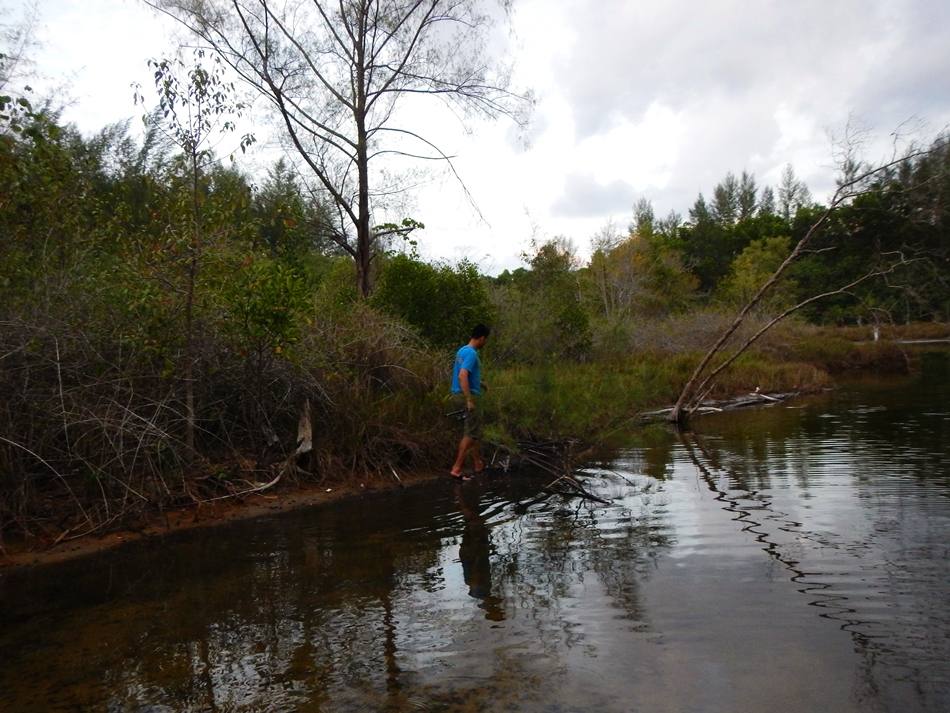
586	401
446	595
202	515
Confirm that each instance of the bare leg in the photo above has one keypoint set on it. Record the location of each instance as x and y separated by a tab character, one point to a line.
464	445
476	451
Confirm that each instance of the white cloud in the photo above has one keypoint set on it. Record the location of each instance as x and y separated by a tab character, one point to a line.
634	99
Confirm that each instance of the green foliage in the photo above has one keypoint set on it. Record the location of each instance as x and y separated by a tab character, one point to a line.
584	401
290	225
708	246
264	303
337	292
640	276
753	267
441	301
541	316
195	102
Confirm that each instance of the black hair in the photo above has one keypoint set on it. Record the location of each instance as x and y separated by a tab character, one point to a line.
480	330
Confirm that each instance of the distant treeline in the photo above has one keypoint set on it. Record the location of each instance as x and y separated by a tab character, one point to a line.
730	245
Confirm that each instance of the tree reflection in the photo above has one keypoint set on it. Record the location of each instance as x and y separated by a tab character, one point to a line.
456	595
883	648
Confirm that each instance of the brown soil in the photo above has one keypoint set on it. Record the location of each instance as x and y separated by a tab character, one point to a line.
35	552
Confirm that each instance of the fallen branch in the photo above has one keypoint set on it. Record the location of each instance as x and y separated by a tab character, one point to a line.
753	399
576	489
856	184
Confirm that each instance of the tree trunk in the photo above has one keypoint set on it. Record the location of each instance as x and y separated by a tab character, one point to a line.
190	311
364	238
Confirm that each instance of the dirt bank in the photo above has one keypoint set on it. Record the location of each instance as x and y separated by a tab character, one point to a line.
38	552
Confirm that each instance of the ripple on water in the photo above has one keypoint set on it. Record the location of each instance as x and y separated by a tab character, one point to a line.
796	561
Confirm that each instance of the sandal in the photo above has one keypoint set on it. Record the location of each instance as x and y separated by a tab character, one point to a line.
461	477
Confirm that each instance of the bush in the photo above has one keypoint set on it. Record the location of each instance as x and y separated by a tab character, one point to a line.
441	301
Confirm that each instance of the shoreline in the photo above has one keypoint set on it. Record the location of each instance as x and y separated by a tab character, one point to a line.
284	498
24	554
38	553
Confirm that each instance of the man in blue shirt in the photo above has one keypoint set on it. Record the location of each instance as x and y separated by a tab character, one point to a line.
467	386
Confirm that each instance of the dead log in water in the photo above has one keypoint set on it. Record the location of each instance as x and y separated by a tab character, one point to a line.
755	398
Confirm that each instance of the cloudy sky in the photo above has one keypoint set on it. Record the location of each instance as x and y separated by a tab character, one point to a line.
635	99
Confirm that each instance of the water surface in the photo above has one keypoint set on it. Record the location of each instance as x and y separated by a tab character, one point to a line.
787	559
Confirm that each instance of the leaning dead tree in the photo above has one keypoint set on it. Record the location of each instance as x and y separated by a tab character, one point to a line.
337	75
857	180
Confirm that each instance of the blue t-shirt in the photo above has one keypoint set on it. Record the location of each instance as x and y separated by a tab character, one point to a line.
467	358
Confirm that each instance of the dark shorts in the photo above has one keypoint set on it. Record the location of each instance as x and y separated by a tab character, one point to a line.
472	423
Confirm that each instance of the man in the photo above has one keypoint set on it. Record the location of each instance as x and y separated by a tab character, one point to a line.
467	386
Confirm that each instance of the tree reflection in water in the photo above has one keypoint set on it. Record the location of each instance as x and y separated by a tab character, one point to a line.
493	595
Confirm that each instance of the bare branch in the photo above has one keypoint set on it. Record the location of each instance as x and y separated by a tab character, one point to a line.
846	289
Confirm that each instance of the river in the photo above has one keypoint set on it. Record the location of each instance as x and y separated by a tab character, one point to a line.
791	558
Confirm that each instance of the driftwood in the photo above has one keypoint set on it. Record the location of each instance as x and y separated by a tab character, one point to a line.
553	457
304	446
754	398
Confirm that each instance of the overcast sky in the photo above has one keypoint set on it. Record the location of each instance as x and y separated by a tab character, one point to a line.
635	99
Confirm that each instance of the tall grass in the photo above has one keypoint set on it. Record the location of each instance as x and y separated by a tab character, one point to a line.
588	400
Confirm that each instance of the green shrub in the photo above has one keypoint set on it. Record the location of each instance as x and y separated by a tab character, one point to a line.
443	302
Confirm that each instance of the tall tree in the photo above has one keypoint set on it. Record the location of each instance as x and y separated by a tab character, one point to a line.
336	76
195	105
644	219
669	226
767	202
792	194
706	245
747	196
725	205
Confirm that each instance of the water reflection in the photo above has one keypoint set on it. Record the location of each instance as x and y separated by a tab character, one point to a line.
865	578
788	559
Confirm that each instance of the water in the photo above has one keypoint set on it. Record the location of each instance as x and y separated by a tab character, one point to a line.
787	559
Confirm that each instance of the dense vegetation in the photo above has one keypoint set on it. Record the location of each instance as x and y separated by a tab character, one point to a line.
164	317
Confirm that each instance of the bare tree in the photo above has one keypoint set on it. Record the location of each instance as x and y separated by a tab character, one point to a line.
336	75
857	179
17	40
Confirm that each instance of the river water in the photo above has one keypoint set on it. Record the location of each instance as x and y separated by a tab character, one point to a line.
793	558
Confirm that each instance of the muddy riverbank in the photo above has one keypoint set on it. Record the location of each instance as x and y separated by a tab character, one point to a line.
203	515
